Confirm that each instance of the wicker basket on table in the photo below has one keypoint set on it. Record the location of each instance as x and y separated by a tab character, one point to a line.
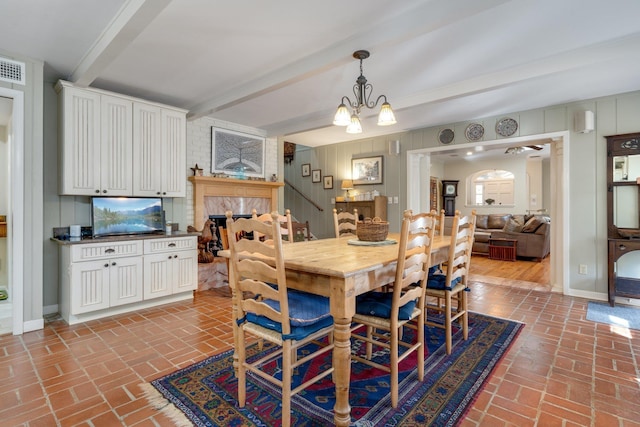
372	230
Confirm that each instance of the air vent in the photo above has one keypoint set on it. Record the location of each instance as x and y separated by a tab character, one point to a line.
12	71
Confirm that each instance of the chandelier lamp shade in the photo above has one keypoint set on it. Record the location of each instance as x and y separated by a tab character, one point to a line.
362	92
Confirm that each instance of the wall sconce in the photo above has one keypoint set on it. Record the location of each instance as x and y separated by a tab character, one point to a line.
584	121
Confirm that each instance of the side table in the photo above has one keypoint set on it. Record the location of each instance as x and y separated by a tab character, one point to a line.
502	249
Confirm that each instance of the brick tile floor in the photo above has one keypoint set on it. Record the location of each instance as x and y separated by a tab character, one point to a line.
562	371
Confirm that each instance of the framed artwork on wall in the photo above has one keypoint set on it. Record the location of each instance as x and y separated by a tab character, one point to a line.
328	182
306	169
315	175
237	153
367	170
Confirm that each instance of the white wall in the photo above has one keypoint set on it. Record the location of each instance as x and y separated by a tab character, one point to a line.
32	173
199	151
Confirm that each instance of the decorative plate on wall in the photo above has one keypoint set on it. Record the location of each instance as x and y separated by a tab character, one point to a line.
474	132
506	126
446	136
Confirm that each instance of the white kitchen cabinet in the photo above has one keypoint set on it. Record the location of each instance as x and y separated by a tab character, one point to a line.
79	141
115	145
170	266
96	143
159	151
102	279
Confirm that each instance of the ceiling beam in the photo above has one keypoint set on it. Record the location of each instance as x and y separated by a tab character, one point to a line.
129	22
397	29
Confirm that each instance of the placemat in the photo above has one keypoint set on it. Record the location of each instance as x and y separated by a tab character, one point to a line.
357	242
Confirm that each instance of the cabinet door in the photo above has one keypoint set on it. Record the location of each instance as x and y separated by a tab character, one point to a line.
185	267
116	146
147	170
80	171
157	274
174	152
125	280
89	286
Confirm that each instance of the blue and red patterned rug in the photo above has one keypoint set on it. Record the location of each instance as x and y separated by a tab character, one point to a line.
206	391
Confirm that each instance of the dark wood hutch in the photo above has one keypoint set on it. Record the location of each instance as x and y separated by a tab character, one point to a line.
623	210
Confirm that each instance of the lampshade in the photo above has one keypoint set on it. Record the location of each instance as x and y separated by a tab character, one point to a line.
354	125
386	116
347	184
342	117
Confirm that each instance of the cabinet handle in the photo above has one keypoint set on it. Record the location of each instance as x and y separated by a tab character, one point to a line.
104	191
106	265
158	193
113	263
622	247
172	245
109	251
164	193
175	256
97	191
169	257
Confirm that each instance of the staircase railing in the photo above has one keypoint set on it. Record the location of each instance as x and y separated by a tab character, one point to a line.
304	196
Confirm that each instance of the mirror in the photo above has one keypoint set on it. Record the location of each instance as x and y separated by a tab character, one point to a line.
626	168
625	207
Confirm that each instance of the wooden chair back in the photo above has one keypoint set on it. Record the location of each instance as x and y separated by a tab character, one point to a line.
283	220
414	259
301	230
265	277
345	222
440	218
460	248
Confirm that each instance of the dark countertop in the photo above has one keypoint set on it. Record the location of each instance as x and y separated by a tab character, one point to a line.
85	240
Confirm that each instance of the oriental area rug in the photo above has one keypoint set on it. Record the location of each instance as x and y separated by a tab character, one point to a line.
206	392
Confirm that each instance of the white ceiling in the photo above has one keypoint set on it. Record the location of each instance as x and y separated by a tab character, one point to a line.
283	65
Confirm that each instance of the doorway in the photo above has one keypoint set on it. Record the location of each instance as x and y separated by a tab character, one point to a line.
419	171
11	210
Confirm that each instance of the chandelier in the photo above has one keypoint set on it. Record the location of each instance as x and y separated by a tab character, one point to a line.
362	92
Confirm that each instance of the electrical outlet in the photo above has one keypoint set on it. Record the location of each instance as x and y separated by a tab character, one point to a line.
582	269
395	199
333	200
390	200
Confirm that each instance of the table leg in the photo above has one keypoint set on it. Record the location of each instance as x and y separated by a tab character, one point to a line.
342	373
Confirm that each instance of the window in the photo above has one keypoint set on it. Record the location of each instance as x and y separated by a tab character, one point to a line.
491	187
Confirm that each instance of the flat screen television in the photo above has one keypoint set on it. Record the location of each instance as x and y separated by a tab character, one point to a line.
113	216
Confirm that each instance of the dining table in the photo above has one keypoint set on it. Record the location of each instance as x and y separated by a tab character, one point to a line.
341	269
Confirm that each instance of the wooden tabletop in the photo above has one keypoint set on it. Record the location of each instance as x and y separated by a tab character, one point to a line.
336	257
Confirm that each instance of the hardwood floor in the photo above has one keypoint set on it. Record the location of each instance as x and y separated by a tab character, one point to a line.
523	274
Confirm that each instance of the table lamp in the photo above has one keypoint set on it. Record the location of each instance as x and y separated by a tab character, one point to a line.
347	184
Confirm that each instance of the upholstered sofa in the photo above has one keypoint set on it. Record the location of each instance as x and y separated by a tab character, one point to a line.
530	231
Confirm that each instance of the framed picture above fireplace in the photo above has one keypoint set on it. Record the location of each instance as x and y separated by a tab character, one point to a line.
236	153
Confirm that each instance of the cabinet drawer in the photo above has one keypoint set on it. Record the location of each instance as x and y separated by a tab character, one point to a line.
96	251
155	246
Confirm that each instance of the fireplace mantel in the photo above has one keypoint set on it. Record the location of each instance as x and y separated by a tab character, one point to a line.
207	186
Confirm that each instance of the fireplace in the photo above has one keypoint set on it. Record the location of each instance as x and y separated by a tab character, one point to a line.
212	197
220	221
215	196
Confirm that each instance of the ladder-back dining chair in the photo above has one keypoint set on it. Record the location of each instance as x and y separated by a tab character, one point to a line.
345	223
266	310
284	221
301	231
385	314
450	286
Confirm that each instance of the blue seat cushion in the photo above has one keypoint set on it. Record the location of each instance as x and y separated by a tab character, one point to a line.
308	313
438	281
379	304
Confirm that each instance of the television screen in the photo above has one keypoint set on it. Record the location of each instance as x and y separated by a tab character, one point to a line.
126	215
